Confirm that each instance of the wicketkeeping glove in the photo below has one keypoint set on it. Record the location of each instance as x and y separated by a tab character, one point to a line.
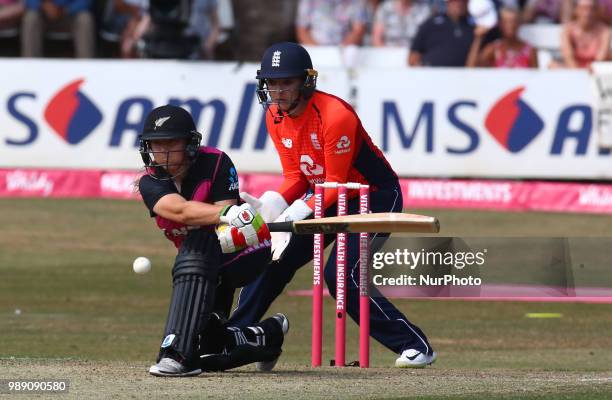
297	211
270	205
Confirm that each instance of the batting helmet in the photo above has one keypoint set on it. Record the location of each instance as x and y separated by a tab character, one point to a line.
167	122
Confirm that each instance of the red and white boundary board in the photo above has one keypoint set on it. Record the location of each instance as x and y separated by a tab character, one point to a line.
501	195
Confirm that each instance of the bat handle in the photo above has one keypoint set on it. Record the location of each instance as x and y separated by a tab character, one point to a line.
286	226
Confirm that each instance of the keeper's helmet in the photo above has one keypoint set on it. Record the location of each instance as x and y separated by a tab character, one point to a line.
286	60
163	123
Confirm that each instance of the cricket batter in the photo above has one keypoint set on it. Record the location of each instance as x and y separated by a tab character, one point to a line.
319	138
187	189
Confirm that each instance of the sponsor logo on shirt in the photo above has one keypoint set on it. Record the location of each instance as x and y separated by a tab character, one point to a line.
308	166
343	145
233	179
288	143
315	141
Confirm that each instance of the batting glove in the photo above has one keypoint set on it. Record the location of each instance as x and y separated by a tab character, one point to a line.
238	216
297	211
270	205
234	239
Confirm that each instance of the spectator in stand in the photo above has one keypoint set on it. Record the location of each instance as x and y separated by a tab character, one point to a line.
58	15
506	52
371	7
547	11
585	39
396	22
605	11
437	6
331	22
204	22
443	40
11	12
137	25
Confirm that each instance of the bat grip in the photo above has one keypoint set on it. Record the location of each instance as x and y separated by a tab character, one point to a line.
286	226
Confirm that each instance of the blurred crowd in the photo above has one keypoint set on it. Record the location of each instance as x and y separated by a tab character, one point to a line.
473	33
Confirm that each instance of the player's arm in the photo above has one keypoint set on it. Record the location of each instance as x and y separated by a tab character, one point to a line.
163	199
176	208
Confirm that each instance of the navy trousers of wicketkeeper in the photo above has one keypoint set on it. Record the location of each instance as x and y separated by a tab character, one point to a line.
387	324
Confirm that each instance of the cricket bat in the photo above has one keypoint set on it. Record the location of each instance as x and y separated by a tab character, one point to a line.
376	222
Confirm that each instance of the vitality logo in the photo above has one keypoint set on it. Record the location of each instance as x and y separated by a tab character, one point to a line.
71	114
512	122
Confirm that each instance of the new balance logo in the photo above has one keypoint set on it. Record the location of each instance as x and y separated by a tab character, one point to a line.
276	58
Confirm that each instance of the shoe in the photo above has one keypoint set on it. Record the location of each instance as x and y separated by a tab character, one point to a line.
267	366
413	358
170	367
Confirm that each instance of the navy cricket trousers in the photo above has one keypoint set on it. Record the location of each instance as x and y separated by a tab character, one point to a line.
387	324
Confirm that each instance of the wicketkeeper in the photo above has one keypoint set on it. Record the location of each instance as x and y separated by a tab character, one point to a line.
188	189
319	138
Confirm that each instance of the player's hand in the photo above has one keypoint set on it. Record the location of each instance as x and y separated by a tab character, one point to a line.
297	211
270	205
230	238
256	232
238	216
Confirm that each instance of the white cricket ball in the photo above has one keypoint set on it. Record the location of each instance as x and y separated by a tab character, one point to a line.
142	265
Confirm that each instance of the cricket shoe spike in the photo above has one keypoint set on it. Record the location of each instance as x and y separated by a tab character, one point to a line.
170	367
267	366
413	358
